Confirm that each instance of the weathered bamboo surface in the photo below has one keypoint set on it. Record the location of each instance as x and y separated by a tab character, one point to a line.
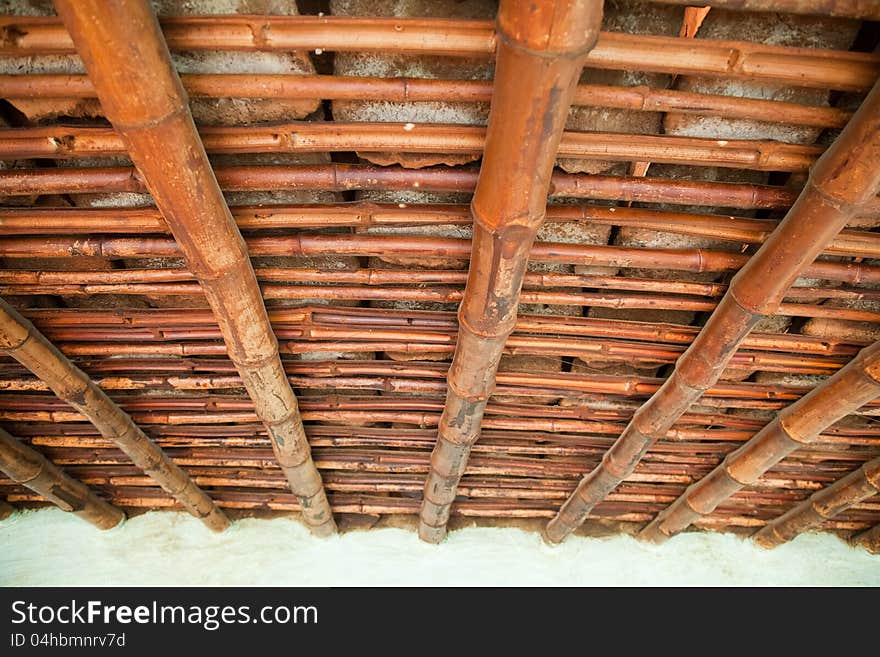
26	466
845	177
822	505
131	82
799	424
25	36
870	540
19	339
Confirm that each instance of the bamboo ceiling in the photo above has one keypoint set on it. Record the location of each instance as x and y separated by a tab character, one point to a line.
347	137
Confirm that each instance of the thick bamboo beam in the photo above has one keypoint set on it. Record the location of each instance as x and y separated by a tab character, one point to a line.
817	68
351	177
799	424
130	66
540	55
26	466
411	90
864	9
6	510
19	339
822	505
843	179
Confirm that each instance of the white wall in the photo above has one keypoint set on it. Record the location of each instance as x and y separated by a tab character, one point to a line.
49	547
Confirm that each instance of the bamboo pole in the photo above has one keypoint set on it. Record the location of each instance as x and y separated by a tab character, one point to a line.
6	510
845	177
58	141
864	9
540	56
816	68
799	424
350	177
130	66
411	90
822	505
305	244
26	466
47	221
19	339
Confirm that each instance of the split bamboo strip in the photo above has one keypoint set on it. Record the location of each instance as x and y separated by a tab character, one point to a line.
332	87
870	540
845	177
128	62
19	339
58	141
816	68
799	424
306	244
541	52
26	466
865	9
37	221
350	177
822	505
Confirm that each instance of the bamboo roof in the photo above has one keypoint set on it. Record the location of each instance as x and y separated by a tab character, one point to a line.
347	138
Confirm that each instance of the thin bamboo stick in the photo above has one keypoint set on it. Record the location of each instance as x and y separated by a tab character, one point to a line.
846	176
19	339
822	505
129	63
28	467
305	244
798	425
58	141
39	221
540	56
865	9
410	90
822	69
349	177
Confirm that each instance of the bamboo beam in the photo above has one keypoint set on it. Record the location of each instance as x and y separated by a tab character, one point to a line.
350	177
411	90
799	424
540	56
26	466
58	141
864	9
19	339
817	68
6	510
845	177
822	505
129	64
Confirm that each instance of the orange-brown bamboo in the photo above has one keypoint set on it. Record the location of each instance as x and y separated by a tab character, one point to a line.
26	466
333	87
845	177
865	9
19	339
60	141
541	51
799	424
350	177
822	505
129	64
870	539
817	68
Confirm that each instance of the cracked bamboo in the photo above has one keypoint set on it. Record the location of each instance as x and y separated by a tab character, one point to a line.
822	506
19	339
797	425
129	64
841	181
541	51
26	466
